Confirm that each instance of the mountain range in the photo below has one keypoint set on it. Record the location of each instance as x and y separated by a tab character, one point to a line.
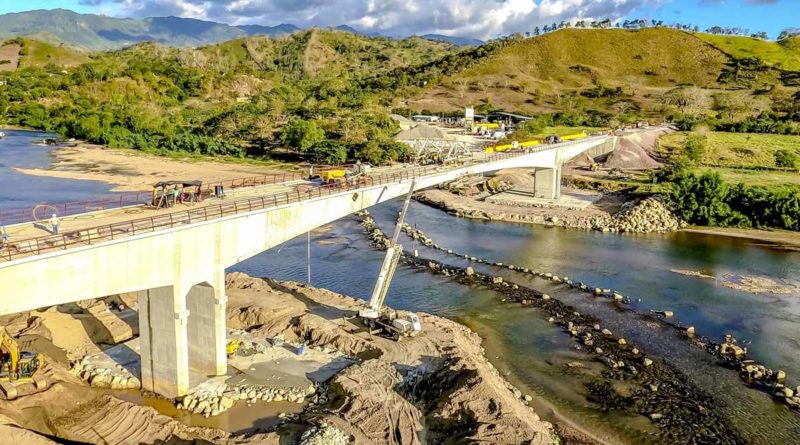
97	32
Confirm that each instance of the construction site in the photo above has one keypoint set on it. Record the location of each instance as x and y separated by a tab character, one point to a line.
301	364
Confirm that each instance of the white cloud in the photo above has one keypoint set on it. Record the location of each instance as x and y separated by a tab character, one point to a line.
473	18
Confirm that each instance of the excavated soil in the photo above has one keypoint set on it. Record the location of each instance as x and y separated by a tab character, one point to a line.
436	387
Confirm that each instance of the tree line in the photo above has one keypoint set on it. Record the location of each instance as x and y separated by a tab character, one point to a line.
643	23
705	199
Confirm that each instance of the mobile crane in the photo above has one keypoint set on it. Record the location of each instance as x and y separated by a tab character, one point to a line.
375	316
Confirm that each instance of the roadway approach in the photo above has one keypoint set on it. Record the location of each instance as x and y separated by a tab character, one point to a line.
176	259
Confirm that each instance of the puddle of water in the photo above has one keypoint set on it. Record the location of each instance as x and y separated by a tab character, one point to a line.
240	419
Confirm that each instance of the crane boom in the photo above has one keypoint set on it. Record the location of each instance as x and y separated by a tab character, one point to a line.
393	254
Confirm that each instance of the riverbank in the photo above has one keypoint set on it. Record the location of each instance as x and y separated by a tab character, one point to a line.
599	216
424	389
132	170
633	381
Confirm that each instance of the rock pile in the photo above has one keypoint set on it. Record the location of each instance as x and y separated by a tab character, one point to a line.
649	215
757	375
214	402
646	216
324	435
100	377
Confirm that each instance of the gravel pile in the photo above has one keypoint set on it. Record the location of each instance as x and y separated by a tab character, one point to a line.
649	215
324	435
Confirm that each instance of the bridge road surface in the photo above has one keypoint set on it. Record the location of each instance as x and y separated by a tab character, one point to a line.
74	223
92	228
82	221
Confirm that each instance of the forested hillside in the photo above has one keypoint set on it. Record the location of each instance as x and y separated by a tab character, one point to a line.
328	94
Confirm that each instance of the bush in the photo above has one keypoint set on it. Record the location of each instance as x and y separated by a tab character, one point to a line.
787	159
695	147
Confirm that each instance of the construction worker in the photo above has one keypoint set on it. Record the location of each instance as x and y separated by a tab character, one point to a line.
54	223
4	239
175	194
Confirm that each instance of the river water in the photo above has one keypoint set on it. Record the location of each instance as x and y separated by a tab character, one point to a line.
17	190
519	341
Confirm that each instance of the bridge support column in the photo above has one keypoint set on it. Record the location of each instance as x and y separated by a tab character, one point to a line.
178	333
164	350
207	332
547	183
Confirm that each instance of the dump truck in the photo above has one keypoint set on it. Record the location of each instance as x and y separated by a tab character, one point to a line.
333	176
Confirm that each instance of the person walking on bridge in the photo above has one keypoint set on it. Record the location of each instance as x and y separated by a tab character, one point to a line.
54	223
3	237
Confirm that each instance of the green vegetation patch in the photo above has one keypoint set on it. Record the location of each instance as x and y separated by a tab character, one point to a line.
733	150
784	54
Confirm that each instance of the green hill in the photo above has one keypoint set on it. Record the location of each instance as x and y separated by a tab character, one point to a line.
21	53
248	95
324	53
613	70
784	54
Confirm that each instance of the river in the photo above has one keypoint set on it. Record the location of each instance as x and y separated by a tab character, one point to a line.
531	352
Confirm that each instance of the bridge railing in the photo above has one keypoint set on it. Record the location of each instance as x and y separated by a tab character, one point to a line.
71	208
106	232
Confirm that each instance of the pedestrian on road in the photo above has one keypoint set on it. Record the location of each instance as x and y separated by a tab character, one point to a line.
54	223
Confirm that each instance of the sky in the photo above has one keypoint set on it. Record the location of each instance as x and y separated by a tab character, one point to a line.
469	18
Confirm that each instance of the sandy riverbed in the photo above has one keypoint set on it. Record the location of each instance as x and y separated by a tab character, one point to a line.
131	170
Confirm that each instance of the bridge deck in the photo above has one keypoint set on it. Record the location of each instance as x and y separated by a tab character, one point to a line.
91	228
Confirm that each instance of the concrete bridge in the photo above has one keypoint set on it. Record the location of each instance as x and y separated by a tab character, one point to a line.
176	261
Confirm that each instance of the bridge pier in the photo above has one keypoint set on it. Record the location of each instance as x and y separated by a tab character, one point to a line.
547	183
181	333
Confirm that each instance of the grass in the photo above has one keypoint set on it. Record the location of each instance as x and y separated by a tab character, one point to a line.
735	150
41	53
784	54
185	156
535	74
774	180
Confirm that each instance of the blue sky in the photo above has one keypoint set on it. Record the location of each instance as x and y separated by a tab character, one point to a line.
474	18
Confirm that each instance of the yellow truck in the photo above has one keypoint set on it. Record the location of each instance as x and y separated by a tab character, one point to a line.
332	176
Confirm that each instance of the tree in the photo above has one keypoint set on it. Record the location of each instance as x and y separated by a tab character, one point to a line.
300	135
686	99
695	147
730	104
328	152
